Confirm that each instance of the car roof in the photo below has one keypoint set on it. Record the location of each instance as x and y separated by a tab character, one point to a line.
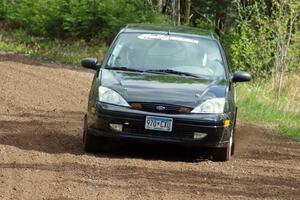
170	29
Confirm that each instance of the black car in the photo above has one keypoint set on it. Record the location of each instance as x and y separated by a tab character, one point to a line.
167	84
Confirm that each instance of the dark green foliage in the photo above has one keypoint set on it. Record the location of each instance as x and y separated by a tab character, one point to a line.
2	9
209	13
77	18
251	42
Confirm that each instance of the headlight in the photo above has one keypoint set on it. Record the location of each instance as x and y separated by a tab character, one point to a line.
214	105
110	96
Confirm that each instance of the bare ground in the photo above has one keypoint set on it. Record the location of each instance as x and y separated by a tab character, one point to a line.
41	155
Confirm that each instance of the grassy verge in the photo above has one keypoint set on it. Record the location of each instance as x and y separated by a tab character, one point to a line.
258	105
70	52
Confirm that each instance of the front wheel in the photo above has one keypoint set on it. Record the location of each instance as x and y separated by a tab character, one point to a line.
223	154
91	142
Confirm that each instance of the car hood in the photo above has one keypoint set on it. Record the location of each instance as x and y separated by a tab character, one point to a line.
162	88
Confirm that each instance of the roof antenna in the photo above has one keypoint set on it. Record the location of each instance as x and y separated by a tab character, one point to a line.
212	35
126	27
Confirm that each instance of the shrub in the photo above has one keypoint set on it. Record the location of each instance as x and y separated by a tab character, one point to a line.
78	19
250	43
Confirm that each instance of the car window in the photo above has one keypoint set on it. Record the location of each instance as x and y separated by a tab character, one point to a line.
162	51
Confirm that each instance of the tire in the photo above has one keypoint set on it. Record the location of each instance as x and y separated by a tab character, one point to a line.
233	142
223	154
233	133
91	142
232	149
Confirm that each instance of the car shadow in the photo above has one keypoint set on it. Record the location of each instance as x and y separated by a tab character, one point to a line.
147	151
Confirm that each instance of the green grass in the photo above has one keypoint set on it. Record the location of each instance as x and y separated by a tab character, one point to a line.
71	52
7	46
257	105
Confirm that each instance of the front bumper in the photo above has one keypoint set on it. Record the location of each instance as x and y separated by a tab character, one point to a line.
184	126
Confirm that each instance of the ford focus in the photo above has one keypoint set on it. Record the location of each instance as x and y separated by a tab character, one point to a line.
163	84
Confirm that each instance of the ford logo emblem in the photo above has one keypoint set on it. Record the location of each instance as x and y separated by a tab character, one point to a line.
160	108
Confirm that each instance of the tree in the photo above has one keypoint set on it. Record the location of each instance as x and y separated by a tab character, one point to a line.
187	11
284	18
220	15
159	5
178	10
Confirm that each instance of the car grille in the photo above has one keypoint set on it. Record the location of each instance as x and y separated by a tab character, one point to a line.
162	108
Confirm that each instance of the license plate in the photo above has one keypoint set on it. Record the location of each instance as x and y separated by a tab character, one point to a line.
158	123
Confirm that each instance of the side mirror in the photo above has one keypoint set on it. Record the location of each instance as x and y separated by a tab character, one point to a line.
241	77
91	63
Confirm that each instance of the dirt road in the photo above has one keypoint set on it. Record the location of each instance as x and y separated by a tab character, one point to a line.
41	156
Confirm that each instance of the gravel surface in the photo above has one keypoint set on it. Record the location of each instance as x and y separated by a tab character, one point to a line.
41	154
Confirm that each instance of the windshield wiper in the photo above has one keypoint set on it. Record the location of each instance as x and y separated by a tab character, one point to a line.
160	71
124	69
171	71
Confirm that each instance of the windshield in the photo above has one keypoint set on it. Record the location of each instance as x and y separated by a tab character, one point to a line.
154	52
